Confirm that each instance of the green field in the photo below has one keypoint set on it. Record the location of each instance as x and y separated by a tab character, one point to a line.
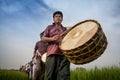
12	75
107	73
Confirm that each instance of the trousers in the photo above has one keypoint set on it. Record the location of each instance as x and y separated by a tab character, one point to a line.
57	68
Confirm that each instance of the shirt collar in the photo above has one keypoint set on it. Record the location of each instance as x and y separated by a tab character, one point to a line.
54	25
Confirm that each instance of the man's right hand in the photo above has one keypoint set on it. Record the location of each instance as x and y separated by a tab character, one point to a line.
55	38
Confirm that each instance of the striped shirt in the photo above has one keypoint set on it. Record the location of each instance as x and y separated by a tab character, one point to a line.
53	47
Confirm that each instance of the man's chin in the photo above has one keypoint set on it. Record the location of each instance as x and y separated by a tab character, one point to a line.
58	22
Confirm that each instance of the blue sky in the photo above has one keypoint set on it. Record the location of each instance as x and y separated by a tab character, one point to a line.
21	21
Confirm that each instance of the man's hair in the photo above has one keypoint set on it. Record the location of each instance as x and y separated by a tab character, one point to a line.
58	12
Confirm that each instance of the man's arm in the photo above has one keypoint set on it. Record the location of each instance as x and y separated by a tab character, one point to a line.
35	48
50	39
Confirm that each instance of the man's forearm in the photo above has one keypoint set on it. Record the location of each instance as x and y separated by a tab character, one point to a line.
46	39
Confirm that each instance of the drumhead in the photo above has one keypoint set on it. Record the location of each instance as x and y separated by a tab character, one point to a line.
44	57
79	34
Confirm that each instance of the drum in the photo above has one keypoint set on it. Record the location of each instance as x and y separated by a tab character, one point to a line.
84	42
43	58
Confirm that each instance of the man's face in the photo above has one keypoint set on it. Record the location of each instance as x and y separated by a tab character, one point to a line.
57	19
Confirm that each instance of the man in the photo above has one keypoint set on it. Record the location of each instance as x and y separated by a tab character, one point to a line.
39	66
31	69
27	69
57	66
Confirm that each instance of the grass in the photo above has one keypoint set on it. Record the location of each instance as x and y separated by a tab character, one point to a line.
12	75
106	73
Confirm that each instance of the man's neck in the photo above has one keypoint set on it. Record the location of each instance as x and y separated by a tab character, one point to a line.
58	24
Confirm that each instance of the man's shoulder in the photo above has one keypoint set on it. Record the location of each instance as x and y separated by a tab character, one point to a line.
41	42
50	26
38	42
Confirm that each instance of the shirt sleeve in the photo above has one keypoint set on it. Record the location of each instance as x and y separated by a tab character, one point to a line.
46	32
